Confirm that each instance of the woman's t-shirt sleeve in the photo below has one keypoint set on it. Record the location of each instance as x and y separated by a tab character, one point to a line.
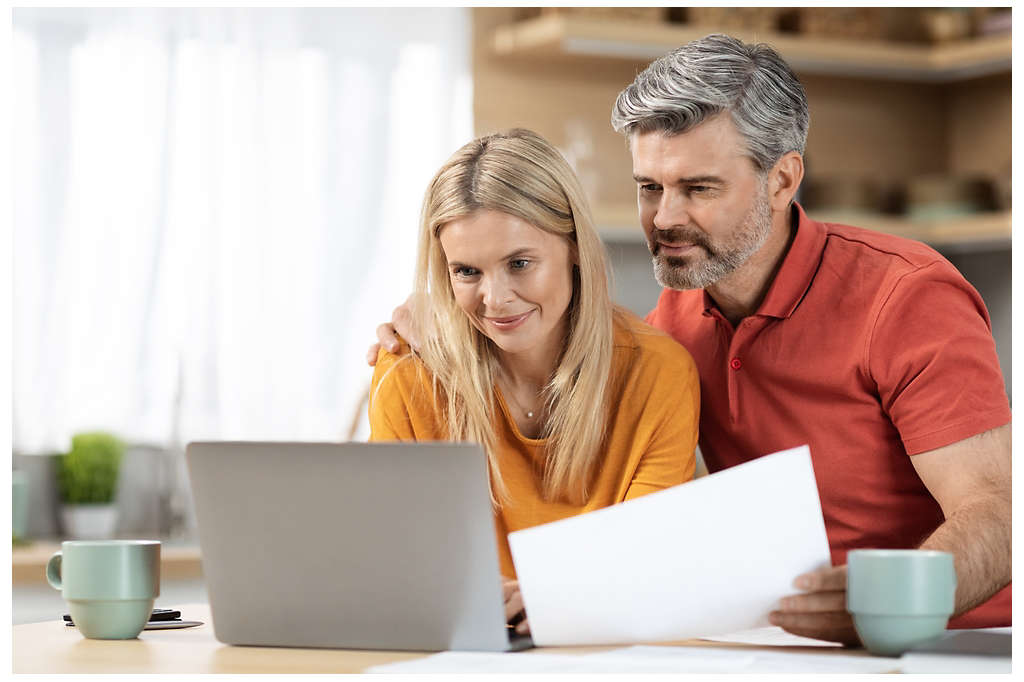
399	406
670	416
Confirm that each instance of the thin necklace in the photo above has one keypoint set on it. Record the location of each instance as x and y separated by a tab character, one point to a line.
512	395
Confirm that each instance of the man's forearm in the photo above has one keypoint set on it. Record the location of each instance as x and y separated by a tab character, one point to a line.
978	536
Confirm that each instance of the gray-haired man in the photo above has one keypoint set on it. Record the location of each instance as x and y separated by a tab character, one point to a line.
872	349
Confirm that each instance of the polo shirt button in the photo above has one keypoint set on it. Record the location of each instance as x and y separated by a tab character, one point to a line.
735	363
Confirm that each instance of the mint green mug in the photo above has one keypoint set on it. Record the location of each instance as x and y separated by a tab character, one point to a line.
899	598
110	585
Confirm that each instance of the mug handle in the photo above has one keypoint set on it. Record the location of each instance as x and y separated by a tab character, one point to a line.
53	567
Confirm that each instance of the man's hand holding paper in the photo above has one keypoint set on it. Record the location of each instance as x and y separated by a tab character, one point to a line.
819	611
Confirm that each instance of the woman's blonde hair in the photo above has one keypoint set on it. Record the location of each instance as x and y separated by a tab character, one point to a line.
519	173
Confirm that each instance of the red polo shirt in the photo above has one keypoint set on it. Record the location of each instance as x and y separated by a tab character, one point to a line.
867	347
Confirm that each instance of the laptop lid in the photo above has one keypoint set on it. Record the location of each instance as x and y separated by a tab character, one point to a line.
351	545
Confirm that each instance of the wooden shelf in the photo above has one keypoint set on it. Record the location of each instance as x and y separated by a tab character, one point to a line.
28	563
556	37
981	232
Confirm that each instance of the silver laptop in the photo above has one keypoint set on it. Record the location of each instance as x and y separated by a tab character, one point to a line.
353	545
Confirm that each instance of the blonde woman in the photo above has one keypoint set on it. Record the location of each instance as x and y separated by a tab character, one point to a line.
578	404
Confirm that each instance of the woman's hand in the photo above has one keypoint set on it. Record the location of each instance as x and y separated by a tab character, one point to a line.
515	614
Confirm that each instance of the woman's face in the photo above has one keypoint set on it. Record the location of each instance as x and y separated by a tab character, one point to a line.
512	279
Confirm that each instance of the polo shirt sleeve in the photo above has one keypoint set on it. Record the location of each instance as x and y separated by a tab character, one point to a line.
933	359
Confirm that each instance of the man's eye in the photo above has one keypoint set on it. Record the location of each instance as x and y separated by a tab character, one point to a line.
518	263
650	188
699	189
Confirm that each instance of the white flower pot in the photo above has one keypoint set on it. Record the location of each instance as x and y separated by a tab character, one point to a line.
88	521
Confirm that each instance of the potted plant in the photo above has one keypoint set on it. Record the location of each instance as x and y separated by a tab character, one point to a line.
87	482
19	507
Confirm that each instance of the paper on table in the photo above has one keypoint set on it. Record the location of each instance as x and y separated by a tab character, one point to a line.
770	636
643	659
708	557
481	662
535	662
682	659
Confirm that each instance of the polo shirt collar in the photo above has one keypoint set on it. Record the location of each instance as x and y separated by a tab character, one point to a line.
796	272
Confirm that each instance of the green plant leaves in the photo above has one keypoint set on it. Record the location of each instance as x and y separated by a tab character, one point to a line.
88	473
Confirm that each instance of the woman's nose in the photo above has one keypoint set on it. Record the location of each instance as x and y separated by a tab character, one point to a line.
496	292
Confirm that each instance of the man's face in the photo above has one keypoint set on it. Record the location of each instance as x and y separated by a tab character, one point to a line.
703	204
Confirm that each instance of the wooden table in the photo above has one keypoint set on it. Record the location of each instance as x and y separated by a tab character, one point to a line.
52	647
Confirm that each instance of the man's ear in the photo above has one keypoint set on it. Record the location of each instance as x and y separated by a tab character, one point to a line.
784	179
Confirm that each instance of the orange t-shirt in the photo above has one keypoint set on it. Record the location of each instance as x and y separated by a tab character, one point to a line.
650	440
871	349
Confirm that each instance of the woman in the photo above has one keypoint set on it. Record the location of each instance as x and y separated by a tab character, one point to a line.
578	404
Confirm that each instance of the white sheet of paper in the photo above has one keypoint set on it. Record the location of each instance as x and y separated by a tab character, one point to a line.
535	662
770	636
683	659
481	662
709	557
643	659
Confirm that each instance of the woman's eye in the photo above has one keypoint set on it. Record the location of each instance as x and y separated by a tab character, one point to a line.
519	263
464	272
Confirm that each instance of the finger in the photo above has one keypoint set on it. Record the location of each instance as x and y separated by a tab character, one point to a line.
508	588
832	627
827	579
828	620
814	602
387	337
371	354
403	323
845	636
523	628
514	606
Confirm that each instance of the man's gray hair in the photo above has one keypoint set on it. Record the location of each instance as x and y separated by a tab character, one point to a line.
717	74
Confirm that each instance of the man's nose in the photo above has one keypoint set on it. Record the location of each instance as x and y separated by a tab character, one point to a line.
673	210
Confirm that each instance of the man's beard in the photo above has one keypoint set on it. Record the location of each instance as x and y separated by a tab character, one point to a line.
688	272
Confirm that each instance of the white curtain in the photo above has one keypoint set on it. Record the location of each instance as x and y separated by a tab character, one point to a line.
213	210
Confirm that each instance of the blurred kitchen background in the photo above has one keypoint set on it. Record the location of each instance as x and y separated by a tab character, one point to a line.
214	208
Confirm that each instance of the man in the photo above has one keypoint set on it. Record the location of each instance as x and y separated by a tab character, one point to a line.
872	349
